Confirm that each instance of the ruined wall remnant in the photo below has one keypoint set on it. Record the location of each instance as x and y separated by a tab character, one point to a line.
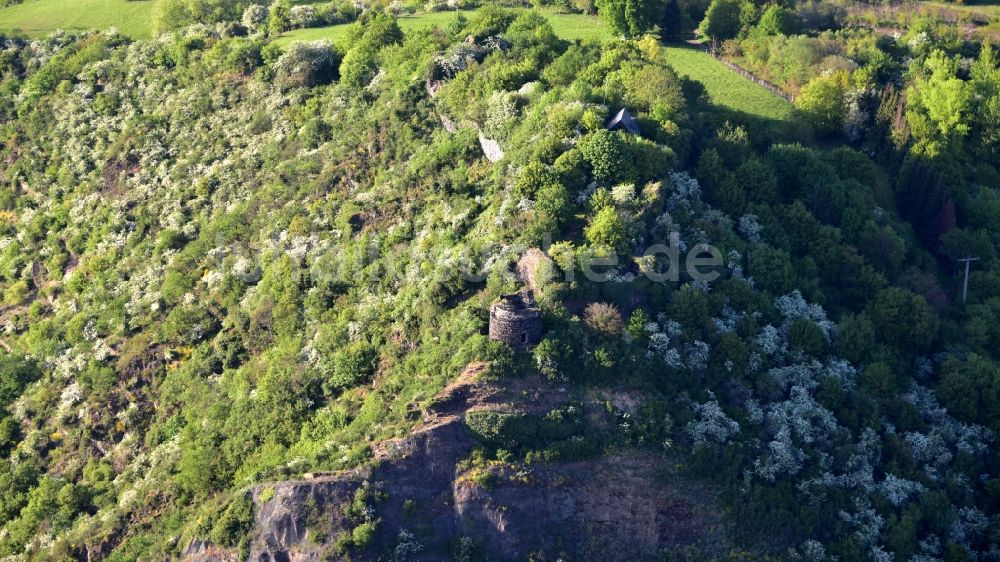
535	270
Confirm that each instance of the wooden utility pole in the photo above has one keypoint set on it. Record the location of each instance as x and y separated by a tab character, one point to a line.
965	284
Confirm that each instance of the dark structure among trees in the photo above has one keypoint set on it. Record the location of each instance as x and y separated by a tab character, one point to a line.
516	320
624	120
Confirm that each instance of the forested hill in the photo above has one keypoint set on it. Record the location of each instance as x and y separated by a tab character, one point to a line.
226	264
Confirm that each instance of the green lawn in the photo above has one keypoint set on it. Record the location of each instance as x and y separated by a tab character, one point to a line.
988	9
567	26
41	17
578	26
725	87
335	32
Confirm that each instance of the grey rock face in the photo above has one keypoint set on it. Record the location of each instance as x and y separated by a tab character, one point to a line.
615	507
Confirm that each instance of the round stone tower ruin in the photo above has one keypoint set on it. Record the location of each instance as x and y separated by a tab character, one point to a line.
516	320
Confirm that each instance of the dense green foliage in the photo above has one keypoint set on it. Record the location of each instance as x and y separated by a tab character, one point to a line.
223	262
629	18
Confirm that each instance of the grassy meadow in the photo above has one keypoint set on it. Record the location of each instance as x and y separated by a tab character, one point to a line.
725	87
986	10
41	17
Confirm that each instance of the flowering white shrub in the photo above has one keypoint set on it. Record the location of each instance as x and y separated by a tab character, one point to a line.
711	425
880	555
501	115
665	224
803	375
749	228
685	186
659	344
897	490
970	522
793	307
254	17
868	522
783	458
70	396
930	449
303	15
624	194
696	356
771	340
306	64
813	551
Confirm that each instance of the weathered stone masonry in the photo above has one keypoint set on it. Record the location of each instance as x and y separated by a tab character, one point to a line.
516	320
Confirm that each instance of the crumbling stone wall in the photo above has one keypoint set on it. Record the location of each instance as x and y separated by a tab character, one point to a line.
533	262
516	321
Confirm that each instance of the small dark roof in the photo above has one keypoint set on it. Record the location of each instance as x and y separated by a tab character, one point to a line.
521	300
625	120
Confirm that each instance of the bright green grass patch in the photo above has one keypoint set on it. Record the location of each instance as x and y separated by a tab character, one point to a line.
335	33
725	87
578	26
984	9
567	26
41	17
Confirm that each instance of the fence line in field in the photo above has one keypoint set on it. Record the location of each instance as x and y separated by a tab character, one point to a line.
759	81
744	72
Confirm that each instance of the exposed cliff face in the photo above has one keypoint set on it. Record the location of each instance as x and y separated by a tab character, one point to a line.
283	531
612	508
617	507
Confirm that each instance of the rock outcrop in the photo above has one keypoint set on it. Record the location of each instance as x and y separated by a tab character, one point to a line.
614	507
491	148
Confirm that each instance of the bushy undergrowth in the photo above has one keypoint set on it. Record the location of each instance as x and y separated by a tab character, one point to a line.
223	264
